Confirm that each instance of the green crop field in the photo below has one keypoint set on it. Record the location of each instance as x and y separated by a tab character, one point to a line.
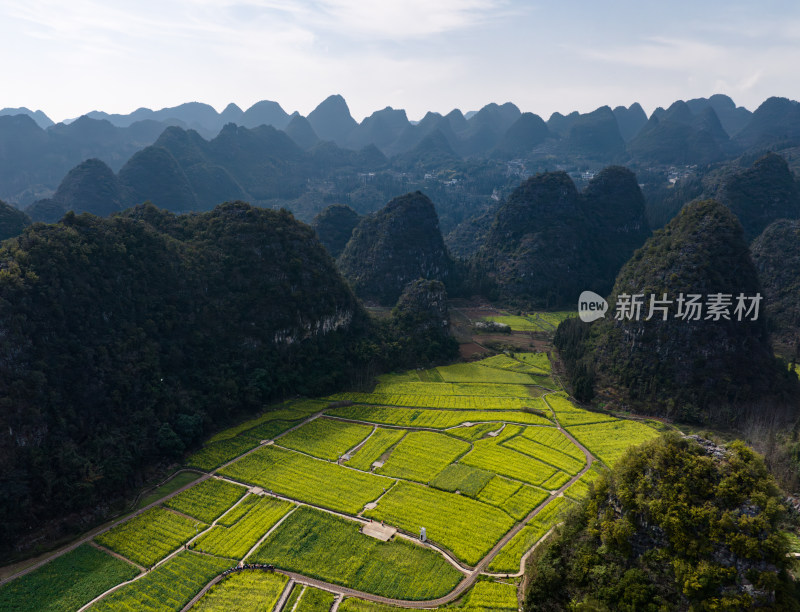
214	455
553	438
434	419
421	455
459	388
548	455
537	360
522	503
294	595
518	323
490	456
331	548
498	490
208	500
306	479
238	511
254	591
444	402
291	411
234	542
151	536
609	441
489	595
475	372
179	480
66	583
580	488
169	587
377	444
556	481
510	556
466	527
473	432
463	478
512	364
569	414
352	604
325	438
315	600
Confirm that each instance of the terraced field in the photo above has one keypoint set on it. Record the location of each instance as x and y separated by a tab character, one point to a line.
469	451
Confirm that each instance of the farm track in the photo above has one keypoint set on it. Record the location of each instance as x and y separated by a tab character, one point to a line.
471	573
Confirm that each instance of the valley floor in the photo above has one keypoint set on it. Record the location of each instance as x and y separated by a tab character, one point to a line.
319	504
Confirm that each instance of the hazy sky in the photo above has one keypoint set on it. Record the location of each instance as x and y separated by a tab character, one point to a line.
68	58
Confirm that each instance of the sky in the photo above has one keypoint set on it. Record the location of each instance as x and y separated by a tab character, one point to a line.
69	58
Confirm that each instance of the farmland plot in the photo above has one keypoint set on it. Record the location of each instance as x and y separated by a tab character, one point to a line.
234	542
538	360
325	438
518	323
421	455
331	548
498	491
609	441
207	500
444	402
151	536
553	438
315	600
467	480
490	456
473	432
466	527
512	364
379	442
461	388
490	595
510	556
523	502
569	414
66	583
580	488
475	372
306	479
168	588
433	419
545	454
254	591
215	454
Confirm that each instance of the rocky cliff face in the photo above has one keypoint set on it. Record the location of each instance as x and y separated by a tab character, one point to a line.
394	246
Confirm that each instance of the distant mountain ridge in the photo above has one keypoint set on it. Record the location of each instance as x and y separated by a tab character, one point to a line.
35	159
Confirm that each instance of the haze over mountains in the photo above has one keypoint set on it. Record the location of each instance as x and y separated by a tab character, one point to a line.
35	154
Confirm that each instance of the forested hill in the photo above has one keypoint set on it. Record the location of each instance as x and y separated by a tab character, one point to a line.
125	339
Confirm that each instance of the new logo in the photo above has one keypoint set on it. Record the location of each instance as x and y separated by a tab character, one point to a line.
591	306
